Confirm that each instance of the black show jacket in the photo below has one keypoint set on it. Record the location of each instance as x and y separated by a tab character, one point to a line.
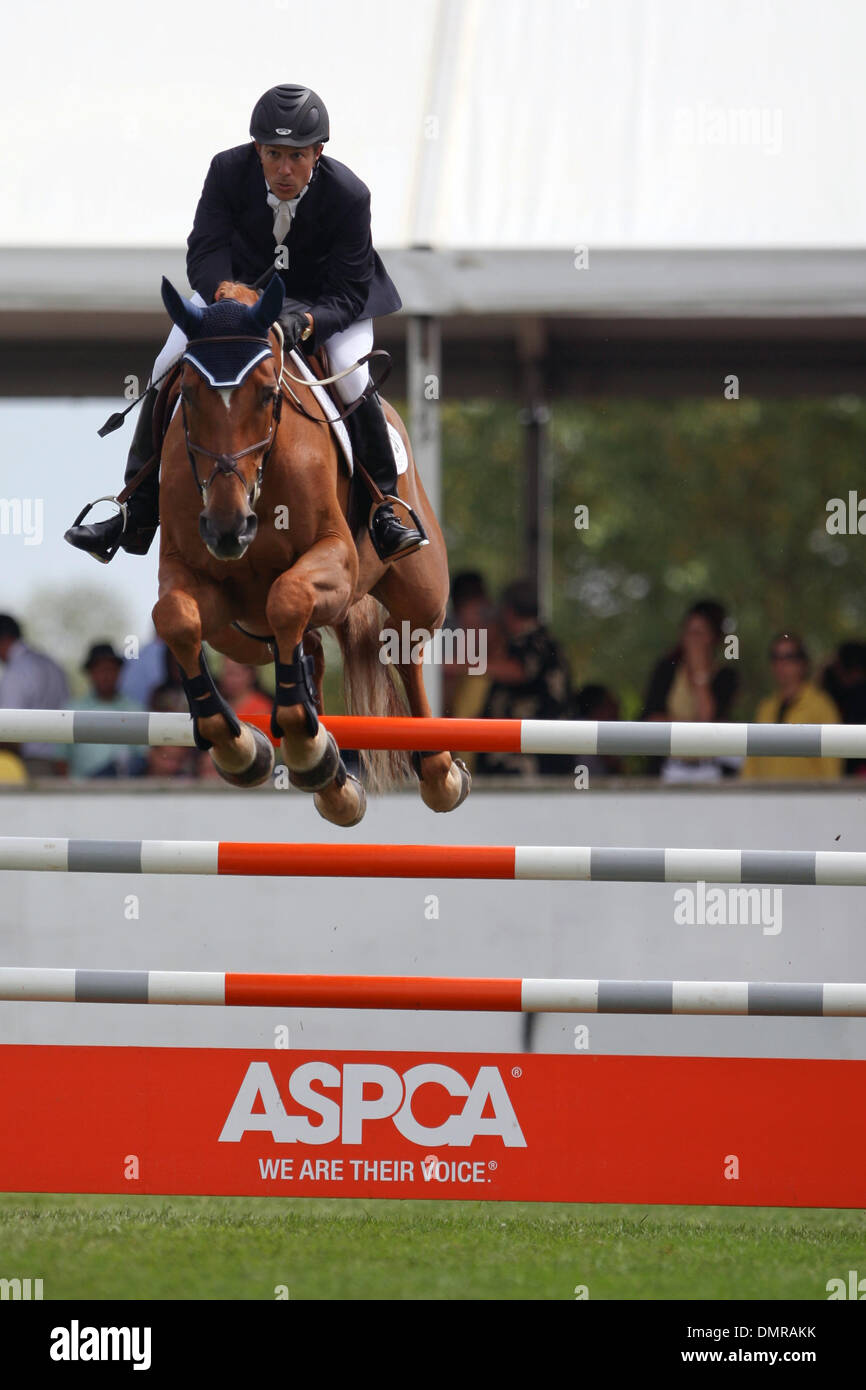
333	269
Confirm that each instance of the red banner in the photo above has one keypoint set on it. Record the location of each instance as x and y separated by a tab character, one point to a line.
581	1128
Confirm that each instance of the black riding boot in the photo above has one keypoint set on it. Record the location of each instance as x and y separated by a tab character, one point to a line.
391	538
103	538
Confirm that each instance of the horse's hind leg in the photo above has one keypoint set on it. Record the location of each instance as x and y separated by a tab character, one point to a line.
444	781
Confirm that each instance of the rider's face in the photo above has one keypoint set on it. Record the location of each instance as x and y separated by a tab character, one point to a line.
287	170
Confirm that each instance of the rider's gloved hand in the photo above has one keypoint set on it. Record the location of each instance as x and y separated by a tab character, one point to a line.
295	325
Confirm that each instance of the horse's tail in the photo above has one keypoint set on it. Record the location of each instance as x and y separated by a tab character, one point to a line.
370	689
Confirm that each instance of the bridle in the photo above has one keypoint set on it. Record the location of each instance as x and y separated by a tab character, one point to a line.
227	463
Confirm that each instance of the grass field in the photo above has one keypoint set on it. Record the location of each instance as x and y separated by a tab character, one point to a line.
238	1248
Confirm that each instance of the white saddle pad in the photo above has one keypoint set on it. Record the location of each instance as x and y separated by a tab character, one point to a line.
338	426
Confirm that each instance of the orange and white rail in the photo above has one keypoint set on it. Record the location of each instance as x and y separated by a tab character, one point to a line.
216	987
566	736
546	862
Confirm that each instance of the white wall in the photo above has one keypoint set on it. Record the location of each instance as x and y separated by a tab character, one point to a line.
613	930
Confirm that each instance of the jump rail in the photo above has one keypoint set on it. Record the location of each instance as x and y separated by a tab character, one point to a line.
634	865
567	736
433	992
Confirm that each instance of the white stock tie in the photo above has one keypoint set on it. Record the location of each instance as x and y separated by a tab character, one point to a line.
283	213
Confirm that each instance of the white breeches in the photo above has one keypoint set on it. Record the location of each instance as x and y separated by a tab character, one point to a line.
345	348
342	348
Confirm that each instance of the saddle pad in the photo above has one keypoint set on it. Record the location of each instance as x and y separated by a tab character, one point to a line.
338	426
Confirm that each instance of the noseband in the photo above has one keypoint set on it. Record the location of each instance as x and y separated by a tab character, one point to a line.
227	463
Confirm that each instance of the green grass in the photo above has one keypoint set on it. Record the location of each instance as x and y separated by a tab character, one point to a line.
239	1248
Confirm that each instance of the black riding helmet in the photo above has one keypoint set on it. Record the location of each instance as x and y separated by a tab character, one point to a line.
289	115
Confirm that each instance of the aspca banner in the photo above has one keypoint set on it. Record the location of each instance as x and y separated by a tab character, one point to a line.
575	1128
333	1103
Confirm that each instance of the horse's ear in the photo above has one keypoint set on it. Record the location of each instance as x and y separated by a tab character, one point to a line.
186	315
268	308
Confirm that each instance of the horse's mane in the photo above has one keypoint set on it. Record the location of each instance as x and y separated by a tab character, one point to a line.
229	289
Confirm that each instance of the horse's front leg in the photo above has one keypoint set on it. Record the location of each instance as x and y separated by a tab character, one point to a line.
315	592
188	610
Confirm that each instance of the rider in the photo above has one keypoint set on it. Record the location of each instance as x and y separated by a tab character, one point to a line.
278	202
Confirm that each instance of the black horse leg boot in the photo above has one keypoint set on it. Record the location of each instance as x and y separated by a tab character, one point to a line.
392	540
103	538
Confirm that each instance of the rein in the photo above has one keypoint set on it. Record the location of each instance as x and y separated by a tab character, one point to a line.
373	385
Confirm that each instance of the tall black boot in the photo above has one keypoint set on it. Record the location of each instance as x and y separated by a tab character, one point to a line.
391	538
103	538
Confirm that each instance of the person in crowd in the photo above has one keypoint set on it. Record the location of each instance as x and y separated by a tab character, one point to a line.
31	680
170	762
795	701
694	683
471	617
153	668
12	769
844	680
86	760
599	703
529	679
240	685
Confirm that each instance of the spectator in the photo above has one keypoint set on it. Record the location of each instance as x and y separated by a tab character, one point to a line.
153	668
796	701
845	682
599	703
170	761
240	685
529	679
31	680
12	769
103	666
464	687
692	683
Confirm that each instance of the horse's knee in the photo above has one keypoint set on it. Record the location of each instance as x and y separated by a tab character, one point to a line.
176	618
290	602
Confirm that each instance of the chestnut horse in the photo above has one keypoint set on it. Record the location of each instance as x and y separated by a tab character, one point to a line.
255	545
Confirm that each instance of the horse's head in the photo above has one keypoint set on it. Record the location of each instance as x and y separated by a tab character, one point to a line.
230	400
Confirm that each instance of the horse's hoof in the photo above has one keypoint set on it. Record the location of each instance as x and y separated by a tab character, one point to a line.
261	767
459	780
355	814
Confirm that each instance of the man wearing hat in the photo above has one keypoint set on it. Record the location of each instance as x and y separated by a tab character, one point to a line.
277	203
103	667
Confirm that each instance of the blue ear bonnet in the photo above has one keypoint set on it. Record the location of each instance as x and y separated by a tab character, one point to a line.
213	330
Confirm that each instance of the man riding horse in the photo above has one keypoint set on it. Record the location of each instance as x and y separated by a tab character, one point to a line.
277	203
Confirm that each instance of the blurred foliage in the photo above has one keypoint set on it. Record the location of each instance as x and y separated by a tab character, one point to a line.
687	499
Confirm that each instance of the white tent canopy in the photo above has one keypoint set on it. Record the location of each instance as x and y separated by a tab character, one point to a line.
492	124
